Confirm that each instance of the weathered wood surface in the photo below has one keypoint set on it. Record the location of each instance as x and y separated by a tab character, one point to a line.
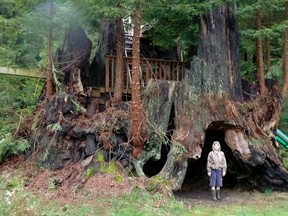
158	100
218	53
22	72
73	59
149	69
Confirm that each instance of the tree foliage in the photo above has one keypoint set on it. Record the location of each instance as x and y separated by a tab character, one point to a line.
273	26
18	46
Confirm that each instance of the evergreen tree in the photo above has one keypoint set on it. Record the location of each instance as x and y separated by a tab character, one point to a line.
272	28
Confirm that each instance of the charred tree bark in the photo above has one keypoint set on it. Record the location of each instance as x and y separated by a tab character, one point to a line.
74	60
105	46
119	61
220	36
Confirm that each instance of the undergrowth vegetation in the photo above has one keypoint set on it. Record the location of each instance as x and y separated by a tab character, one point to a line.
283	123
283	126
18	97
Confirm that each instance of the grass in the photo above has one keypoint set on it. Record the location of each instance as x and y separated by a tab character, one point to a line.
16	200
235	210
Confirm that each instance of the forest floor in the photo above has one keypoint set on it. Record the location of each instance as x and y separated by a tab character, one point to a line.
228	197
66	186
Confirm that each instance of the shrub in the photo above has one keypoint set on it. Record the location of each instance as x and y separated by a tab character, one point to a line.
10	146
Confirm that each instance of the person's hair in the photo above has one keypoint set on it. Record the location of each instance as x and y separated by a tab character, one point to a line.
216	143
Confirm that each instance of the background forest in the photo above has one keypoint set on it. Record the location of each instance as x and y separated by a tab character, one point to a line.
25	26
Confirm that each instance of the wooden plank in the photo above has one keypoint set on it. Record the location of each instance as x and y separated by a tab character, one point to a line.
126	72
173	71
155	70
22	72
96	93
113	72
165	71
107	64
177	68
147	73
169	70
145	59
102	89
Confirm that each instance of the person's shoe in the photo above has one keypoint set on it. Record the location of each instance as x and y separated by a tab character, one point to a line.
214	198
218	194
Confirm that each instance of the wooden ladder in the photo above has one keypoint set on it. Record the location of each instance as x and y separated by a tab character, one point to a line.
128	47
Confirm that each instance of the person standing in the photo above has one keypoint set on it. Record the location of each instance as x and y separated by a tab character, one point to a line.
216	168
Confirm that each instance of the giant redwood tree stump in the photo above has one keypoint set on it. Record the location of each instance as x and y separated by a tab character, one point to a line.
181	119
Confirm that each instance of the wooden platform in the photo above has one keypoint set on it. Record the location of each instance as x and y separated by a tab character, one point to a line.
150	69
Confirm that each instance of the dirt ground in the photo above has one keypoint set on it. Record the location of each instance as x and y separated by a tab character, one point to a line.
232	198
228	197
67	185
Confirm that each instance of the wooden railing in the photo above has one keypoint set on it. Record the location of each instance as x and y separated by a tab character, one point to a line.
22	72
150	69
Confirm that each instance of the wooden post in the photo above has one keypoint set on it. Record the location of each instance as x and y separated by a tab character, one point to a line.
112	81
107	66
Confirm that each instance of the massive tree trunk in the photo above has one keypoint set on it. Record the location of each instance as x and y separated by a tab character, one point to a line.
218	50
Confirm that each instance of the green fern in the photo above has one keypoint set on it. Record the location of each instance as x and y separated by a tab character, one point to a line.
10	146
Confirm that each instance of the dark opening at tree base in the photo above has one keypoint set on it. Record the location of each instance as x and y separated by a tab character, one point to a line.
152	167
196	177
